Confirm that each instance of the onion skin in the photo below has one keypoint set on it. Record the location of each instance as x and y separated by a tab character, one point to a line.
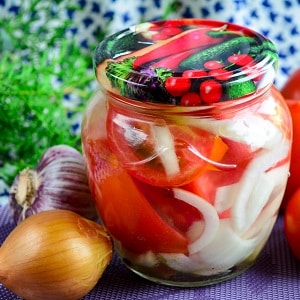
54	255
58	182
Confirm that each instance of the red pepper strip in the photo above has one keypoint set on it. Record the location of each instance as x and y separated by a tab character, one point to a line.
172	62
187	40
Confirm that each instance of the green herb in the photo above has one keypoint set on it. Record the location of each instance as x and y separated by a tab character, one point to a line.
39	69
172	7
145	85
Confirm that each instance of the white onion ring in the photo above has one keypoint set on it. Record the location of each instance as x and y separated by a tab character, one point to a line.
226	250
210	216
164	145
246	191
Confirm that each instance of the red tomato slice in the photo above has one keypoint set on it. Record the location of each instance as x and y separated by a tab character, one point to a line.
175	212
138	149
124	209
232	167
292	223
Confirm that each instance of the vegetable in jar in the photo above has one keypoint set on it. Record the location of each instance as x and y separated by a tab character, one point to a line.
187	163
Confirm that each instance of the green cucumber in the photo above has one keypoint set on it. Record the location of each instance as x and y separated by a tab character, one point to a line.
268	45
218	52
234	90
269	49
218	34
260	52
118	44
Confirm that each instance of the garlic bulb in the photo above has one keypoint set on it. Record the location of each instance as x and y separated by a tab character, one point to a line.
54	255
58	182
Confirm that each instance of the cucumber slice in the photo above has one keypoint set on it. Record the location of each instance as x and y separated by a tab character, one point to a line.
235	90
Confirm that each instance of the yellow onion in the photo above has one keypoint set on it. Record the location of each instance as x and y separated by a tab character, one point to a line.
55	255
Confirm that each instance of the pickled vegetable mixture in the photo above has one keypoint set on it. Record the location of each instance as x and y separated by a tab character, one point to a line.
181	193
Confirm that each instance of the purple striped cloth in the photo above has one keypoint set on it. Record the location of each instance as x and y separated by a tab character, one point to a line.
275	275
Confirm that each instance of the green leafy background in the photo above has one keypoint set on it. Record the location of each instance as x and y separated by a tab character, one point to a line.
41	67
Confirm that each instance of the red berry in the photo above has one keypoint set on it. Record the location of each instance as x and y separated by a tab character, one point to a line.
210	91
177	86
221	74
240	59
190	99
194	73
213	65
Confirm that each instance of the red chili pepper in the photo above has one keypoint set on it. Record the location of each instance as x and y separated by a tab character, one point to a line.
187	40
172	62
170	31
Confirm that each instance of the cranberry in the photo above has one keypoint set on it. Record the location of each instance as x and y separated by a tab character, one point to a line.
240	59
213	65
211	91
190	99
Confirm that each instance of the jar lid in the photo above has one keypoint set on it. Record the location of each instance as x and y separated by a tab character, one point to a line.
187	62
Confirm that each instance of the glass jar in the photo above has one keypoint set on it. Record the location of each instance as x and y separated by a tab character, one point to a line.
187	146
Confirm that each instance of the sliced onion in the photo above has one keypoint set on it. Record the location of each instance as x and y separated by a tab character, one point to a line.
229	249
210	216
226	250
268	213
181	263
251	129
262	193
250	187
148	259
195	230
224	198
164	145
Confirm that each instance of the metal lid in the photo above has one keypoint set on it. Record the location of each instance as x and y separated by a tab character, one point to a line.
188	62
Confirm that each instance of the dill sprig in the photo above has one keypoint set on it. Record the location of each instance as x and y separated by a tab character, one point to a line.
39	70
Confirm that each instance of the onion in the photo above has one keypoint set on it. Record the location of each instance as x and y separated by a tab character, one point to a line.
251	130
249	187
58	182
226	250
164	144
207	230
54	255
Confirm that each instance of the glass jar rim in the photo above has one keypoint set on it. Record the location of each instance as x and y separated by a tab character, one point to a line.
214	62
